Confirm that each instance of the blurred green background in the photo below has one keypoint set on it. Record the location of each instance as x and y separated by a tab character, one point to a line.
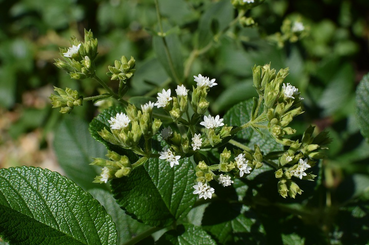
327	66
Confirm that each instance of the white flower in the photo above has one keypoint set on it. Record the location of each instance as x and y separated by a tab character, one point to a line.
204	81
242	164
196	142
289	158
225	180
298	26
163	98
181	90
147	107
104	177
203	190
248	1
302	166
289	90
72	51
211	122
120	121
169	157
166	133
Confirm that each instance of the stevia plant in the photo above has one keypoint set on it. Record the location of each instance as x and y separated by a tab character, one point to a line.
169	161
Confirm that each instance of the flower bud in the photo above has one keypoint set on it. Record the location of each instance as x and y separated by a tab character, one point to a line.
282	188
294	189
279	173
156	126
202	165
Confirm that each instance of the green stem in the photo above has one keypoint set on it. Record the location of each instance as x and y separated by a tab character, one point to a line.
139	162
142	236
239	145
109	90
97	97
169	57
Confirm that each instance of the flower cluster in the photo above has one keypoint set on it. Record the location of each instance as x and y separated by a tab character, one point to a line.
66	100
78	59
169	156
242	164
203	190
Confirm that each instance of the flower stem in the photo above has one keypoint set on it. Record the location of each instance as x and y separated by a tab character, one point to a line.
239	145
97	97
142	236
109	90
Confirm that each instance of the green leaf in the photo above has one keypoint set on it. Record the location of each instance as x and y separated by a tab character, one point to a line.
127	227
186	234
169	53
220	12
38	206
155	193
338	92
362	101
226	223
75	149
239	115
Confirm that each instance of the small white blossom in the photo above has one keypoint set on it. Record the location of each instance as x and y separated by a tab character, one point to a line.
163	98
203	190
302	166
120	121
289	159
169	157
181	90
72	51
204	81
248	1
242	164
104	177
166	133
99	103
289	90
196	142
211	122
147	107
298	26
225	180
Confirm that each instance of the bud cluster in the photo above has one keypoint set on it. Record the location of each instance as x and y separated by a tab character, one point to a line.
117	167
66	100
78	60
123	69
291	30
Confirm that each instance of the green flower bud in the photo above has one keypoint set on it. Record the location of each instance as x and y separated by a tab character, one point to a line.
199	174
289	130
66	100
317	155
202	106
124	171
225	132
225	156
282	188
279	173
256	77
209	176
258	156
136	132
202	165
246	22
156	126
113	156
294	189
99	162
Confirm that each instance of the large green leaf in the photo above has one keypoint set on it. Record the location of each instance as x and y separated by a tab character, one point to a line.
155	193
126	226
75	149
239	115
229	225
38	206
362	101
186	235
